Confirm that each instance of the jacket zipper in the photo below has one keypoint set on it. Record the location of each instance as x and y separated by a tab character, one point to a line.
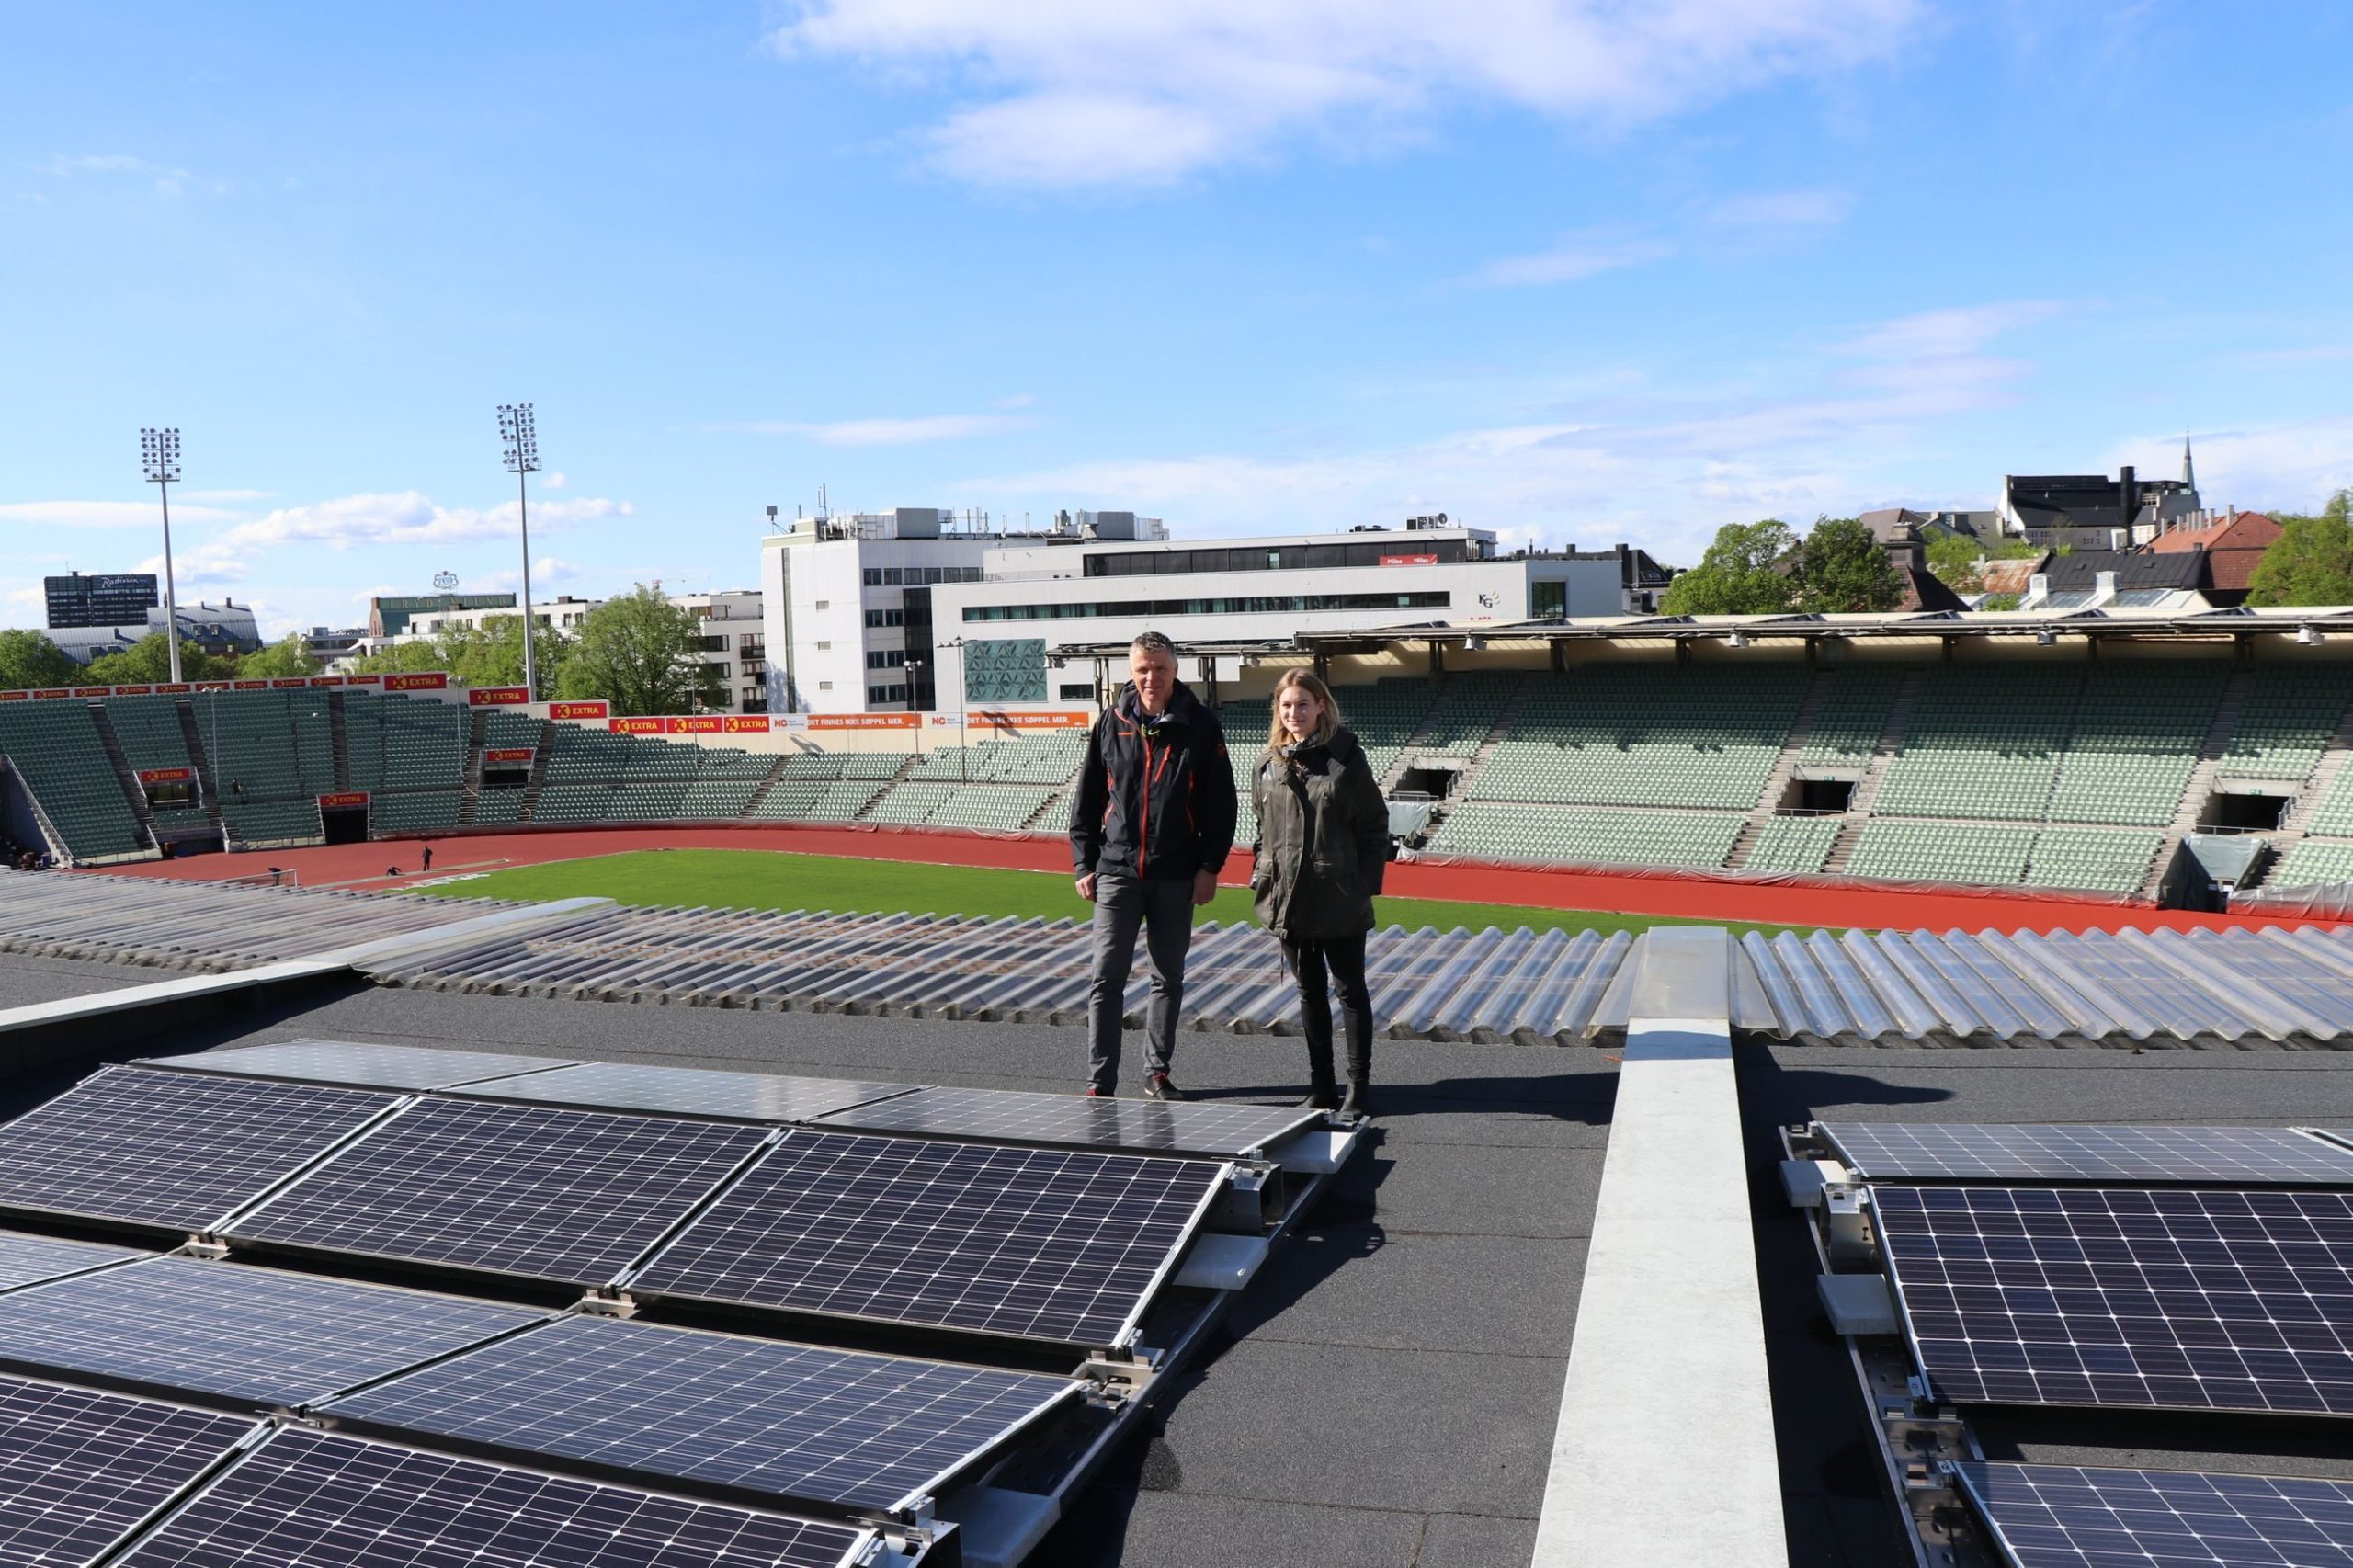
1143	831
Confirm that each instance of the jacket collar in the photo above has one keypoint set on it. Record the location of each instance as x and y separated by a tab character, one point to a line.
1181	701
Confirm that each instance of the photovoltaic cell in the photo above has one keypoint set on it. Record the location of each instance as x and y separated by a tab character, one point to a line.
689	1091
2061	1517
2217	1156
791	1420
174	1150
24	1259
253	1334
566	1195
1192	1127
77	1468
1043	1244
352	1061
2159	1296
308	1499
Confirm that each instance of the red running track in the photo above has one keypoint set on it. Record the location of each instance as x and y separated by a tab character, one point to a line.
1688	898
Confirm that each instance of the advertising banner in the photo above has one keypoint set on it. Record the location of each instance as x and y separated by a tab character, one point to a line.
506	756
748	724
212	685
363	680
498	697
693	725
132	690
634	726
286	682
346	798
597	710
249	686
15	697
864	721
326	680
52	691
1409	561
167	775
171	689
434	682
94	691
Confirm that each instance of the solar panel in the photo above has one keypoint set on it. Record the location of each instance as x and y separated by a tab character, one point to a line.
789	1420
314	1500
2061	1517
351	1061
2159	1296
174	1150
24	1259
690	1091
1043	1244
246	1334
78	1469
568	1194
2236	1155
1193	1128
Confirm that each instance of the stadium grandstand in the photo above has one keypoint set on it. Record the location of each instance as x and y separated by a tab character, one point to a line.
2161	759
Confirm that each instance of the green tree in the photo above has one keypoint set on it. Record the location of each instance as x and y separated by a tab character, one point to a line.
1744	572
1847	570
488	654
149	660
291	655
28	659
641	653
2312	562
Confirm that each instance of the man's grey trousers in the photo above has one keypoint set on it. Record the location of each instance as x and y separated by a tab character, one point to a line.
1165	911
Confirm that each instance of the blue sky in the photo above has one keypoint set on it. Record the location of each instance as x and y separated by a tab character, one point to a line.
1578	270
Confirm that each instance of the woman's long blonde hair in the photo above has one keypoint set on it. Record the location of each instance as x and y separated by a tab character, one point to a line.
1327	725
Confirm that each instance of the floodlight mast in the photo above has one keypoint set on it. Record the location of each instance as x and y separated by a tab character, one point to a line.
159	459
520	433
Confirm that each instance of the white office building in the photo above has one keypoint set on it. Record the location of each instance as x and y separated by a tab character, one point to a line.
1035	597
849	597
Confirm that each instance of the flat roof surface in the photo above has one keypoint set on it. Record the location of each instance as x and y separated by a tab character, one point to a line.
1384	1392
25	980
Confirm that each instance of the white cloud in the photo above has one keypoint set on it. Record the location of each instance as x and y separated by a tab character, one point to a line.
1949	333
908	432
1076	93
1572	261
166	179
1782	209
228	494
555	481
404	518
104	514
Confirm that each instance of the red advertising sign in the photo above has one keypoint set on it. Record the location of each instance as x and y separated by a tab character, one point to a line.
695	724
498	695
864	721
249	686
288	683
435	682
348	798
1059	719
52	691
173	687
1409	561
167	775
326	680
635	726
15	697
363	680
211	685
747	725
597	710
505	755
132	690
94	691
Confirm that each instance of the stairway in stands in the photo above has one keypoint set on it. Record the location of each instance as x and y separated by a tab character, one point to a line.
539	755
1890	740
134	791
340	738
2201	777
1784	766
776	771
477	736
1497	733
202	761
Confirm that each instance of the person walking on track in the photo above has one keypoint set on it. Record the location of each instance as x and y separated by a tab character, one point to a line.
1151	825
1323	845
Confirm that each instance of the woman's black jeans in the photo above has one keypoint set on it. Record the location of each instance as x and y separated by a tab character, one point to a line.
1321	967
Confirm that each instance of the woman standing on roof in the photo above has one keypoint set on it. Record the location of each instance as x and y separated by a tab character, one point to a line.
1323	844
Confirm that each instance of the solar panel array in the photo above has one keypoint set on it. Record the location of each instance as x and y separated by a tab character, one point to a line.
171	1150
353	1061
2235	1156
254	1335
795	1421
690	1091
565	1195
2168	1298
1055	1244
25	1260
2063	1516
312	1500
79	1468
1191	1128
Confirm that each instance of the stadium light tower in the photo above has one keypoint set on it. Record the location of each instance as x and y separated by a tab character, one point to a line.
521	435
159	459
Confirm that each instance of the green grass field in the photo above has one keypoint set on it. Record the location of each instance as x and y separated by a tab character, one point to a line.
752	879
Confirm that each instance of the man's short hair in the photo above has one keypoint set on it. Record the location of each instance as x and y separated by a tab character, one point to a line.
1153	643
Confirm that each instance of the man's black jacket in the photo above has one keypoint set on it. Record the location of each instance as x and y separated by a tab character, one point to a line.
1154	796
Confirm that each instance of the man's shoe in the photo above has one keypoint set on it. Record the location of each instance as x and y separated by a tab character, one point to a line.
1094	1094
1158	1087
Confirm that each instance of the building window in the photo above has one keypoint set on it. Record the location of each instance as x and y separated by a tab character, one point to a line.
874	577
824	604
1265	604
825	686
824	647
723	670
886	658
880	618
886	694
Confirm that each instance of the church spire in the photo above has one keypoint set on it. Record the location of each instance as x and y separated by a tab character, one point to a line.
2188	473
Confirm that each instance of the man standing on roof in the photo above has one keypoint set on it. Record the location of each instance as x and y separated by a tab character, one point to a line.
1151	825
